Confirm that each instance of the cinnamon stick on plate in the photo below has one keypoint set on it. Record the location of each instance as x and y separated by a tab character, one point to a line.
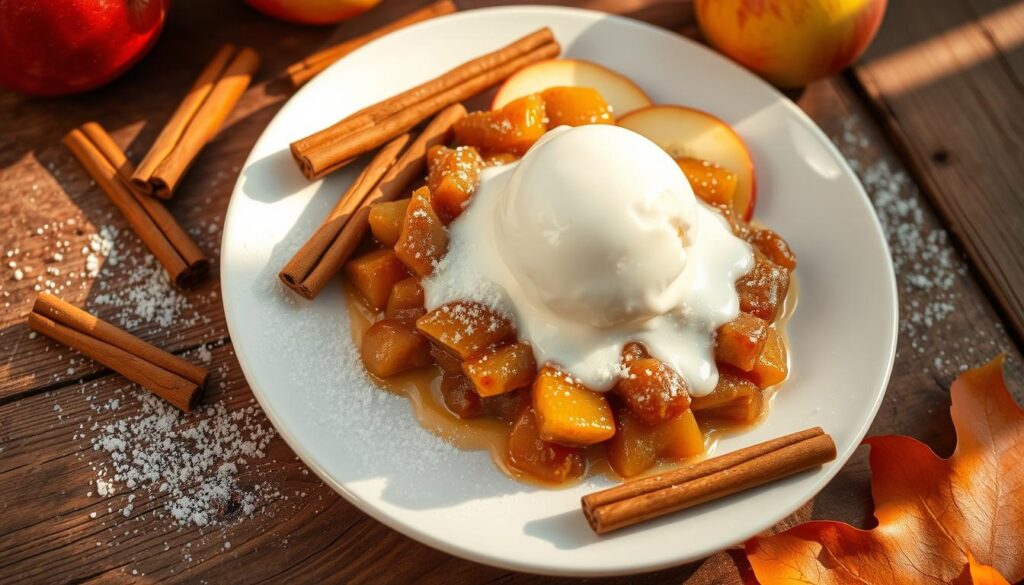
150	220
168	376
308	68
383	179
335	146
197	119
652	497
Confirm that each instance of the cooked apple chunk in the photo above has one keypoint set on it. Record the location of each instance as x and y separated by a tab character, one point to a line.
453	177
501	369
652	390
386	220
731	386
390	347
772	365
529	453
773	247
459	397
739	342
423	239
712	183
575	106
375	274
636	446
465	328
406	300
514	128
762	291
567	412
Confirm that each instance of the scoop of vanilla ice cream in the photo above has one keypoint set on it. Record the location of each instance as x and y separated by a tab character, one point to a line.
596	221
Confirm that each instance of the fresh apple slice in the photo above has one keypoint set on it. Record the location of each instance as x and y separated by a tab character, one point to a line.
683	131
619	91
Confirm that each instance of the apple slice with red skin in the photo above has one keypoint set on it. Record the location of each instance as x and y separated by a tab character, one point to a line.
683	131
619	91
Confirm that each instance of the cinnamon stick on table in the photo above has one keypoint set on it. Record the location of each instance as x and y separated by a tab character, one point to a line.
658	495
150	220
198	117
335	146
308	68
384	179
175	380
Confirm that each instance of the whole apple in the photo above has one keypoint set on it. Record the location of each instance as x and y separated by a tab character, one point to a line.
791	42
313	11
57	47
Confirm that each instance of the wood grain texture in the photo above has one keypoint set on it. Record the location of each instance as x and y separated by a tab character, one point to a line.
304	531
946	80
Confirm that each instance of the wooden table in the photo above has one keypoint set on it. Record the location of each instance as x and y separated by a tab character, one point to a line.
944	82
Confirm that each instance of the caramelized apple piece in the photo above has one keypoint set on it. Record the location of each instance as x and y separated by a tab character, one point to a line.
459	397
652	390
390	347
501	369
423	239
537	458
386	220
514	128
465	328
496	159
763	290
454	175
633	351
739	342
731	386
567	412
406	300
680	437
375	274
576	106
773	247
445	359
712	183
634	447
772	367
744	410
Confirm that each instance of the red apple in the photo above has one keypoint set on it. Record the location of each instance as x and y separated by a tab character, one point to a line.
791	42
688	132
313	11
619	91
57	47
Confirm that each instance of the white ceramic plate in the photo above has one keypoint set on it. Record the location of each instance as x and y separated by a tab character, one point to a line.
298	359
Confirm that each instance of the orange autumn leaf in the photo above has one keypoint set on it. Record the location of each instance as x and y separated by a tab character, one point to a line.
958	520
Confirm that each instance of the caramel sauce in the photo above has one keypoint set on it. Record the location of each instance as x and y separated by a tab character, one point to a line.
422	389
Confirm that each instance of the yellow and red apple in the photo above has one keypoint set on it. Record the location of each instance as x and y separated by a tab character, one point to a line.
691	133
791	42
619	91
313	11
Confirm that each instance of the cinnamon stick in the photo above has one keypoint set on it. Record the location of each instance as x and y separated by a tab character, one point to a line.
175	380
656	496
307	272
311	66
198	117
328	149
333	243
155	226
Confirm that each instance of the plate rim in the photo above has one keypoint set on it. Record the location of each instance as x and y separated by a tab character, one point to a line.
639	566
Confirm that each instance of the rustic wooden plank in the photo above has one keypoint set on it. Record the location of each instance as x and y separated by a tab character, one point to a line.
948	95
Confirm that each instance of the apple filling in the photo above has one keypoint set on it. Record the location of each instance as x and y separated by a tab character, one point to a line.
480	362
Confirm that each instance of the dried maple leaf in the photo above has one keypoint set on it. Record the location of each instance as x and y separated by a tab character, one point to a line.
958	520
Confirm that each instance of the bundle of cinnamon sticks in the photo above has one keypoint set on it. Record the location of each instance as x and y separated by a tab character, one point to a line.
652	497
166	375
385	178
337	145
